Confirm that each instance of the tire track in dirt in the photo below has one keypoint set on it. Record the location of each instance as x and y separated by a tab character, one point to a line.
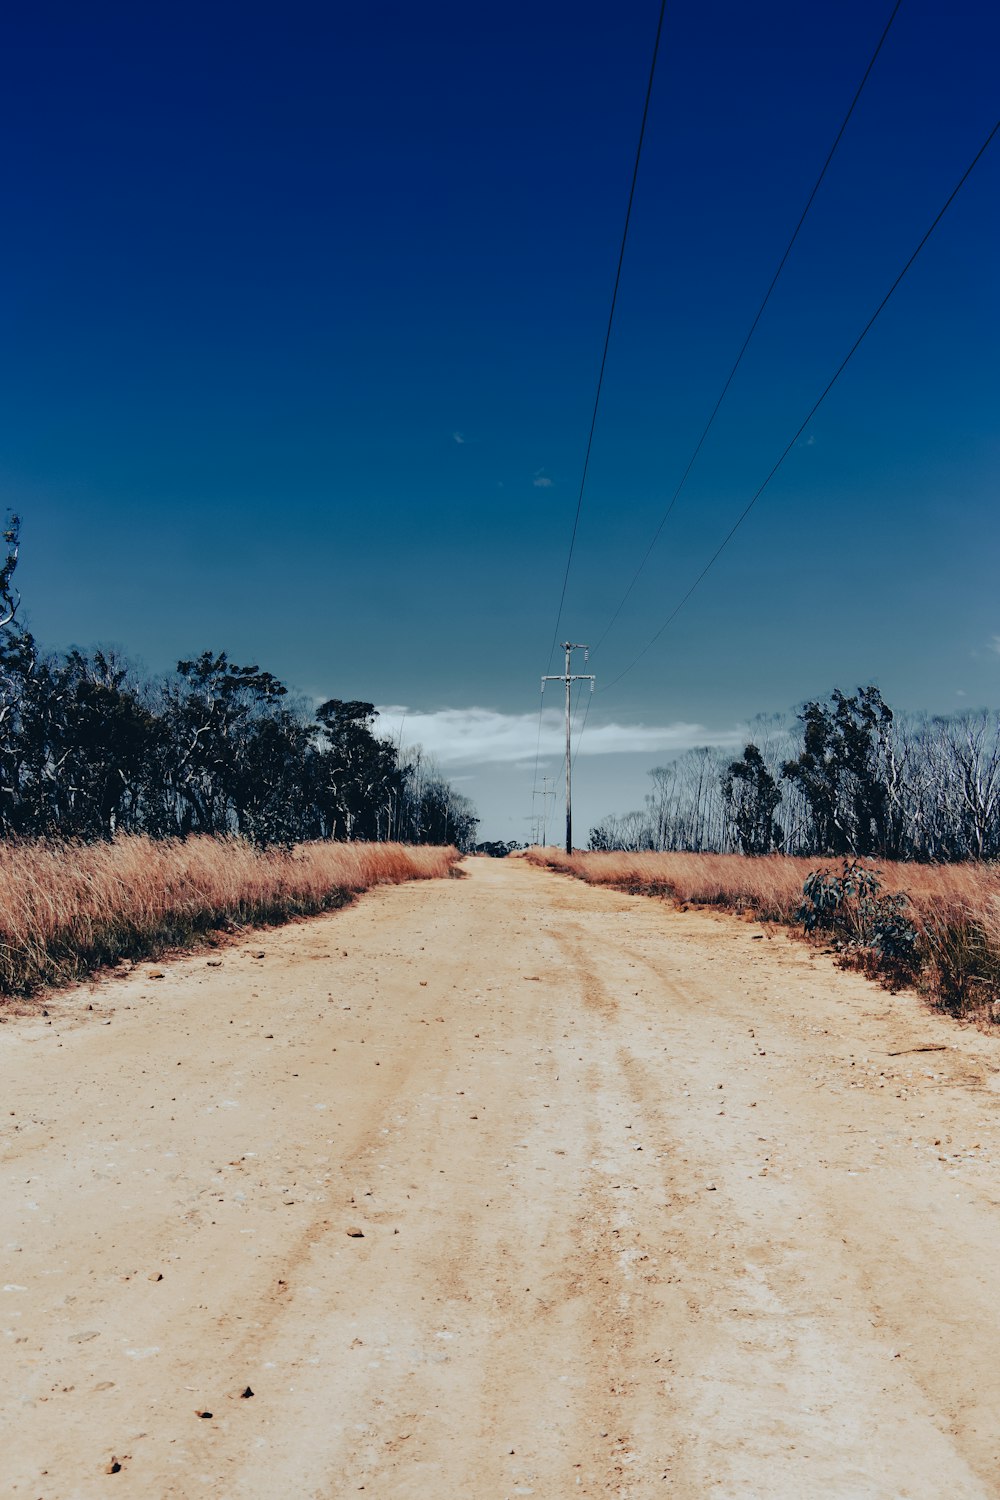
804	1262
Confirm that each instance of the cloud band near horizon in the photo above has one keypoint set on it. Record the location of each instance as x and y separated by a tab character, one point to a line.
470	736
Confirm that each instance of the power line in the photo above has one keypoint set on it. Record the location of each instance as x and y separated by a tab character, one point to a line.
586	716
538	745
746	342
576	714
561	796
812	412
607	335
752	329
603	364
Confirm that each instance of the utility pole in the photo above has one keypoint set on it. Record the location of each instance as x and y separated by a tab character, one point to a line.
569	677
546	794
540	821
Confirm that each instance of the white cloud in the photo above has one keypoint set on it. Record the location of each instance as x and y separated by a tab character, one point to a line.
993	644
459	438
541	480
469	736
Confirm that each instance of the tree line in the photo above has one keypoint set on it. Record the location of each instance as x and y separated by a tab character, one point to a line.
846	776
90	748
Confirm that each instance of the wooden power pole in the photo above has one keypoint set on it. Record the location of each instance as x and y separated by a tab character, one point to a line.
569	677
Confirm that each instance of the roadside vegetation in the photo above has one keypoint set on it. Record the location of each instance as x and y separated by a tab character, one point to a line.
934	926
90	747
845	777
874	832
67	910
141	814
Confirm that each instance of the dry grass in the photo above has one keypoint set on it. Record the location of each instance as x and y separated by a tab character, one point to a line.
955	908
770	887
68	909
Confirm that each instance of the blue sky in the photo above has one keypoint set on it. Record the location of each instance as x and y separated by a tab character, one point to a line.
301	322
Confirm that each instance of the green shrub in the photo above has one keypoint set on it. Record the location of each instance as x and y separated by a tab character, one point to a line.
862	920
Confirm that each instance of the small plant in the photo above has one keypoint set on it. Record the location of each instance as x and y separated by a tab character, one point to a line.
861	919
833	902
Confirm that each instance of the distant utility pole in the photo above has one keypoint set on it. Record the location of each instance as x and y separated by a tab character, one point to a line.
546	794
540	821
569	677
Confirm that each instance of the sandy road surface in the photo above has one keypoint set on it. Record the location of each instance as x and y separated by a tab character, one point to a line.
647	1209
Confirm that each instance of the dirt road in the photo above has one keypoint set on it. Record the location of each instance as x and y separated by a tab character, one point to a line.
648	1208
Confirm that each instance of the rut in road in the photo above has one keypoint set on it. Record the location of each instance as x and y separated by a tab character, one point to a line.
647	1208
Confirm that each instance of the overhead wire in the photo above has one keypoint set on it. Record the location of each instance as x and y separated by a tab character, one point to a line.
583	726
607	334
559	795
811	413
752	329
603	365
538	749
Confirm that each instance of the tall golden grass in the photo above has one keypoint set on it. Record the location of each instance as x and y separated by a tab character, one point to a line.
68	909
954	908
